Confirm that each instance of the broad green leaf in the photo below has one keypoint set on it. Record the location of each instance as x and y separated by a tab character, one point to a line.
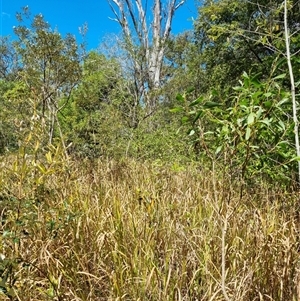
256	94
281	102
225	129
245	75
268	94
282	125
185	119
268	104
265	121
248	133
283	143
251	118
259	112
280	76
176	110
195	102
238	88
199	114
214	92
211	104
256	83
218	149
180	97
245	108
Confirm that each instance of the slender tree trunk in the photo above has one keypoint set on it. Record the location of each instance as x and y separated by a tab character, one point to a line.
292	80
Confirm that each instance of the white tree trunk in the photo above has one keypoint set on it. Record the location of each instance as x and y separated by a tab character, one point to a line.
292	80
148	39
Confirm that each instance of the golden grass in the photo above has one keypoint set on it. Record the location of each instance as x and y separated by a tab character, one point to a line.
130	231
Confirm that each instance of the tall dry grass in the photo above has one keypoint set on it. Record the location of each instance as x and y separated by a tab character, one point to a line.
125	230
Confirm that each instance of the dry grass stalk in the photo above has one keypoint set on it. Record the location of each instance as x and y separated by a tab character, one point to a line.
131	231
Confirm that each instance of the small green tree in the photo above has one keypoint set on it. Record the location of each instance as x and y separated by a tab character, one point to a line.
50	67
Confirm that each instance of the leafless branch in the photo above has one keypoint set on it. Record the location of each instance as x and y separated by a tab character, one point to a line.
148	52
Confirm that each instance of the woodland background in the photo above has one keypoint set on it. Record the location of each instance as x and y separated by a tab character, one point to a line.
158	167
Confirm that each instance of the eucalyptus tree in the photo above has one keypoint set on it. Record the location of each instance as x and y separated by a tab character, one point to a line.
50	66
145	40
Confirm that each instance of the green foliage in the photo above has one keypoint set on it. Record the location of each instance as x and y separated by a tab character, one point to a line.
13	114
92	120
8	60
171	215
239	36
257	132
50	67
252	136
49	62
158	138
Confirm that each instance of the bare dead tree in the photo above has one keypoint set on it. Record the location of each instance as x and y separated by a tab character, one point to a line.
145	41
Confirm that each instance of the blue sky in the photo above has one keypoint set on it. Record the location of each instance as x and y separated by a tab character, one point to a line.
68	15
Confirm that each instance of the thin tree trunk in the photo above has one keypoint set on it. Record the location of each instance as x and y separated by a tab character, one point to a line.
292	80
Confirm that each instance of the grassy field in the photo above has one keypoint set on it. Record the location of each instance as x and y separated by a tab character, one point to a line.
107	230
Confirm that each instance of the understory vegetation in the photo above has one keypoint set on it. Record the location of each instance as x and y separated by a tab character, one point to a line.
116	185
125	230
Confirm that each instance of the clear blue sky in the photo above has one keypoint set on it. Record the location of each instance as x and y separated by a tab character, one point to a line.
68	15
